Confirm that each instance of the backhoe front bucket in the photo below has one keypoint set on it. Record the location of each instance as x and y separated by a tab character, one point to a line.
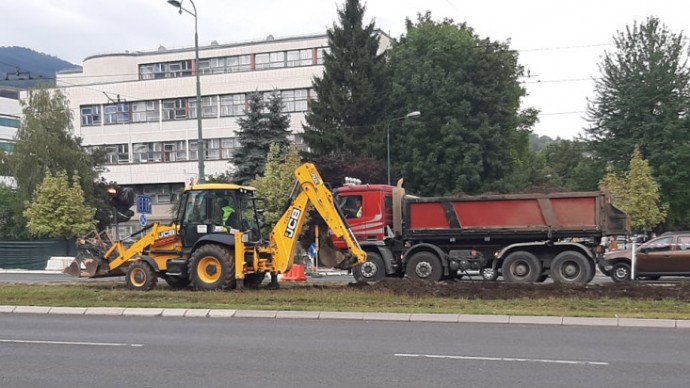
89	270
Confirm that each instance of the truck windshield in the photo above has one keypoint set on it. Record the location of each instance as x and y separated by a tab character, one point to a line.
350	205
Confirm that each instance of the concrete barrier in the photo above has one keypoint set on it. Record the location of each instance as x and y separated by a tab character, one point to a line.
58	263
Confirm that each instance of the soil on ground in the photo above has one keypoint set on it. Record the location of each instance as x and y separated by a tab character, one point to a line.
500	290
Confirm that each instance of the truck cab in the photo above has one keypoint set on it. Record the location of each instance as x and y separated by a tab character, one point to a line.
368	210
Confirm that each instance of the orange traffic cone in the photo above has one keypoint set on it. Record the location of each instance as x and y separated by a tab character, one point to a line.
295	274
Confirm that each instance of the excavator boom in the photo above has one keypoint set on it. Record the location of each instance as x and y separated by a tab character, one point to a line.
285	234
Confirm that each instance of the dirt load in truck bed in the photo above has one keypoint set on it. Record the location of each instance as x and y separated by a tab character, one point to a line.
500	290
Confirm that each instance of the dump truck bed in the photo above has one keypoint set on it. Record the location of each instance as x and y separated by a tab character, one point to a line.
514	216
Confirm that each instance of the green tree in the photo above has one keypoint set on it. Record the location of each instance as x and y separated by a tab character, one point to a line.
643	97
264	125
276	184
636	193
12	222
58	208
352	92
45	142
467	89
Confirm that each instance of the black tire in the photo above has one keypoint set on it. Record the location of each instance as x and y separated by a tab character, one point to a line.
372	270
521	267
424	266
254	280
489	274
141	276
177	282
212	268
571	267
620	272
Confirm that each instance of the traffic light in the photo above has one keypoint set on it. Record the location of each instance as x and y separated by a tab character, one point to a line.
122	199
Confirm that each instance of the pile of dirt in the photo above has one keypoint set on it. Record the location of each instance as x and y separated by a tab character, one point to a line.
504	291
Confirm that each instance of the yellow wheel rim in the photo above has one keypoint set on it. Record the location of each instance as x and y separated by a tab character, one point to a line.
209	270
137	277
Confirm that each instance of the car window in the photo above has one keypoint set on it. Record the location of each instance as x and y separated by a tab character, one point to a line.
661	244
684	243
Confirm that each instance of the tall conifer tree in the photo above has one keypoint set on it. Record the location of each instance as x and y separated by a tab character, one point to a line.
352	92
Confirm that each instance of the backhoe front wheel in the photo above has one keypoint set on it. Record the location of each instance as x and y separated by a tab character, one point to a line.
212	267
141	277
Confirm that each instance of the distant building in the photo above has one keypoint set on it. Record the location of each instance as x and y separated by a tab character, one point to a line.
9	117
9	123
141	106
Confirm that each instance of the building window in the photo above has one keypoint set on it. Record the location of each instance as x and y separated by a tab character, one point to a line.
175	109
174	151
239	63
143	111
9	122
117	153
165	70
277	59
212	150
91	115
232	105
116	113
209	107
229	144
319	54
295	100
261	61
212	66
300	58
147	152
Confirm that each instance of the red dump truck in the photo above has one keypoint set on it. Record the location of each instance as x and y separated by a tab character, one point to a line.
523	237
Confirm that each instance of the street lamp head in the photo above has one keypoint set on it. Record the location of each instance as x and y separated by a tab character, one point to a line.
413	114
175	3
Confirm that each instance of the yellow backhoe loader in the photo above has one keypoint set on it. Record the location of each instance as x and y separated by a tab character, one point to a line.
214	241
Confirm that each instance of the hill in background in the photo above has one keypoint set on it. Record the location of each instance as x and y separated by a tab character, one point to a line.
24	68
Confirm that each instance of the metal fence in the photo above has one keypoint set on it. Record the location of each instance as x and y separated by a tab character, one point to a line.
33	254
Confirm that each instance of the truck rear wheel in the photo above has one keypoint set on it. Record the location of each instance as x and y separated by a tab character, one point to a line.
571	267
371	270
424	266
521	267
141	277
212	268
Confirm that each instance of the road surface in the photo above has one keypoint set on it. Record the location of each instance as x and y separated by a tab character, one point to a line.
104	352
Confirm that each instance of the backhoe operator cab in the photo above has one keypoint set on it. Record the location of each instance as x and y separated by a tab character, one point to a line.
209	209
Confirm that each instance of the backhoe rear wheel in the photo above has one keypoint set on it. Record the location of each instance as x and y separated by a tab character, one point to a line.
212	267
141	277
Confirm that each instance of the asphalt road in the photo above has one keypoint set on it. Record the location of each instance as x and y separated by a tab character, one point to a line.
104	352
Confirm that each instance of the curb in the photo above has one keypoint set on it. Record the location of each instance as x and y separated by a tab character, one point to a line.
351	316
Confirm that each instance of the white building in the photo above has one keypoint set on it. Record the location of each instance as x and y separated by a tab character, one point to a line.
9	123
9	117
141	106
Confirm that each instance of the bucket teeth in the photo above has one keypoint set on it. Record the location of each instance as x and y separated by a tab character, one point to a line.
73	269
91	266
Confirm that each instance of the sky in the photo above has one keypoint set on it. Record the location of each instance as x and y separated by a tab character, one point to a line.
560	42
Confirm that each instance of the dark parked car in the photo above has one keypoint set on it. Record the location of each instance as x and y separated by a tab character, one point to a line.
666	255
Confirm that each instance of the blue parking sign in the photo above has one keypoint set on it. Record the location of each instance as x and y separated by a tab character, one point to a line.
144	204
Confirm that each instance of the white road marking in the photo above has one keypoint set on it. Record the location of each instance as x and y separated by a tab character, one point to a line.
69	343
569	362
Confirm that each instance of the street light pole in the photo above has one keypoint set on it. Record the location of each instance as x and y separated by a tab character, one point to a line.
200	133
388	138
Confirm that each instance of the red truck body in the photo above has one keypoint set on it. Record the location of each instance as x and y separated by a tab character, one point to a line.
479	232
